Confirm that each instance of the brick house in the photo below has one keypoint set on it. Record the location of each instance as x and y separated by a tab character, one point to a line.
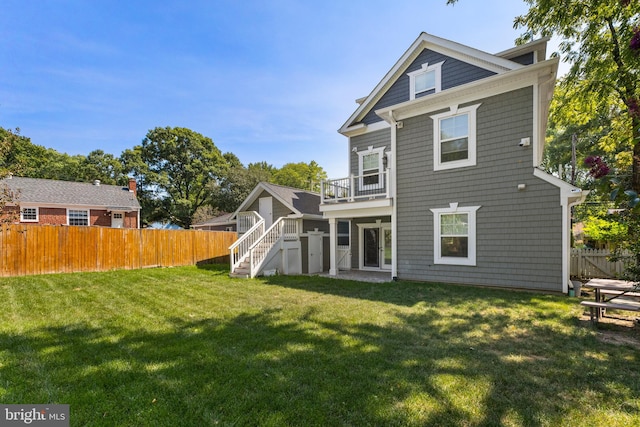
51	202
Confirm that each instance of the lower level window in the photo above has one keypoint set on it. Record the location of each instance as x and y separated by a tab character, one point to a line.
77	217
343	233
29	214
455	235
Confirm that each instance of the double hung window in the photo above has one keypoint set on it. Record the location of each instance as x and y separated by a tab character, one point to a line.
77	217
455	235
454	138
370	168
29	214
426	80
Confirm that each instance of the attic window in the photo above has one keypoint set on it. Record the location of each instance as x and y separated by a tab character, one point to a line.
428	79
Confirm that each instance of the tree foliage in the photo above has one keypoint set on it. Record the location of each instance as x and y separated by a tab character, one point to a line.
180	174
306	176
598	39
175	169
6	196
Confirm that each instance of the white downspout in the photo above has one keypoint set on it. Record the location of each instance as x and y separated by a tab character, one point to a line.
394	205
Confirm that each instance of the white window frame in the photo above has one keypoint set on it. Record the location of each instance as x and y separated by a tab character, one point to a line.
471	112
425	69
23	219
471	235
361	154
79	210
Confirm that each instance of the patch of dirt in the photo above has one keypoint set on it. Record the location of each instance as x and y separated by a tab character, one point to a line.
616	329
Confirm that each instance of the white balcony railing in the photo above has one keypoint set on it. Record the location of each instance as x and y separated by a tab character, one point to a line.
356	188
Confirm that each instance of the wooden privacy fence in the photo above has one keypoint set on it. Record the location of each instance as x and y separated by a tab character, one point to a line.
594	263
41	249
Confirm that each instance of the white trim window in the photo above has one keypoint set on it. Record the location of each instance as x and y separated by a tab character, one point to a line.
370	168
454	138
77	217
29	214
454	234
427	78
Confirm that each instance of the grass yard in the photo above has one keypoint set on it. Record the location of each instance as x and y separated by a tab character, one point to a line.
191	347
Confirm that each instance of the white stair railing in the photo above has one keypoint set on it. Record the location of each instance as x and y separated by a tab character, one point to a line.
246	221
240	249
283	229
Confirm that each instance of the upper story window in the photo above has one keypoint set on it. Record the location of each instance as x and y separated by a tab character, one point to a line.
370	168
77	217
454	138
427	78
29	214
454	235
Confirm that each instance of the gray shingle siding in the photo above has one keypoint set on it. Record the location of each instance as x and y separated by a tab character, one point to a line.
377	139
279	210
518	242
454	73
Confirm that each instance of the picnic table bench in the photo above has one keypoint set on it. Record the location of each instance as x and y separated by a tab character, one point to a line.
622	296
596	307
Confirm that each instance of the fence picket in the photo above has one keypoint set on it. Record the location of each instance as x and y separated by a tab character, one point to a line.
42	249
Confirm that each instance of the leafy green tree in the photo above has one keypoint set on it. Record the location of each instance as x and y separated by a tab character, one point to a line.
601	41
104	167
6	196
306	176
174	169
237	183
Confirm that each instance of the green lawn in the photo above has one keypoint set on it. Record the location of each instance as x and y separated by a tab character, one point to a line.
191	347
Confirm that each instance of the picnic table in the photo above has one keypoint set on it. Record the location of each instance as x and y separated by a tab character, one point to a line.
613	294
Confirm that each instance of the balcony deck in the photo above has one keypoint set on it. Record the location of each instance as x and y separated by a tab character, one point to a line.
356	188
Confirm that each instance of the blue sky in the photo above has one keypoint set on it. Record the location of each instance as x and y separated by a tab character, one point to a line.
267	80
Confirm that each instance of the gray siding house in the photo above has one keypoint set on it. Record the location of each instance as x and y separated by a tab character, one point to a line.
444	182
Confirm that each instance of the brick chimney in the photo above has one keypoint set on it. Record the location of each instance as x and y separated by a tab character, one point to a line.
132	186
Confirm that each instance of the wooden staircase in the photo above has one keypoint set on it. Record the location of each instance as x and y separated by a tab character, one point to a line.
250	252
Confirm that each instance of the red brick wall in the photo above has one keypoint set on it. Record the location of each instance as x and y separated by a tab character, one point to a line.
52	216
58	216
100	218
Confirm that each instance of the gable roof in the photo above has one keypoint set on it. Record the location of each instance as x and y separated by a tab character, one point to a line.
36	191
300	202
464	53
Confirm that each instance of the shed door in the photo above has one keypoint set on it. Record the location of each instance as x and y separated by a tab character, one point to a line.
265	209
315	253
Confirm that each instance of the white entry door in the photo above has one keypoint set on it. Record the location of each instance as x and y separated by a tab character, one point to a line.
265	209
117	219
375	246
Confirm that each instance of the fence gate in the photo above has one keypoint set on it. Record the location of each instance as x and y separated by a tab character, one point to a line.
594	263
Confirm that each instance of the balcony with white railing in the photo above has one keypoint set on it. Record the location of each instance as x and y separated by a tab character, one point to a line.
354	189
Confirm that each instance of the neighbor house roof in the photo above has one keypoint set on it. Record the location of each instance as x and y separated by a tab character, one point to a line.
49	192
301	202
224	219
